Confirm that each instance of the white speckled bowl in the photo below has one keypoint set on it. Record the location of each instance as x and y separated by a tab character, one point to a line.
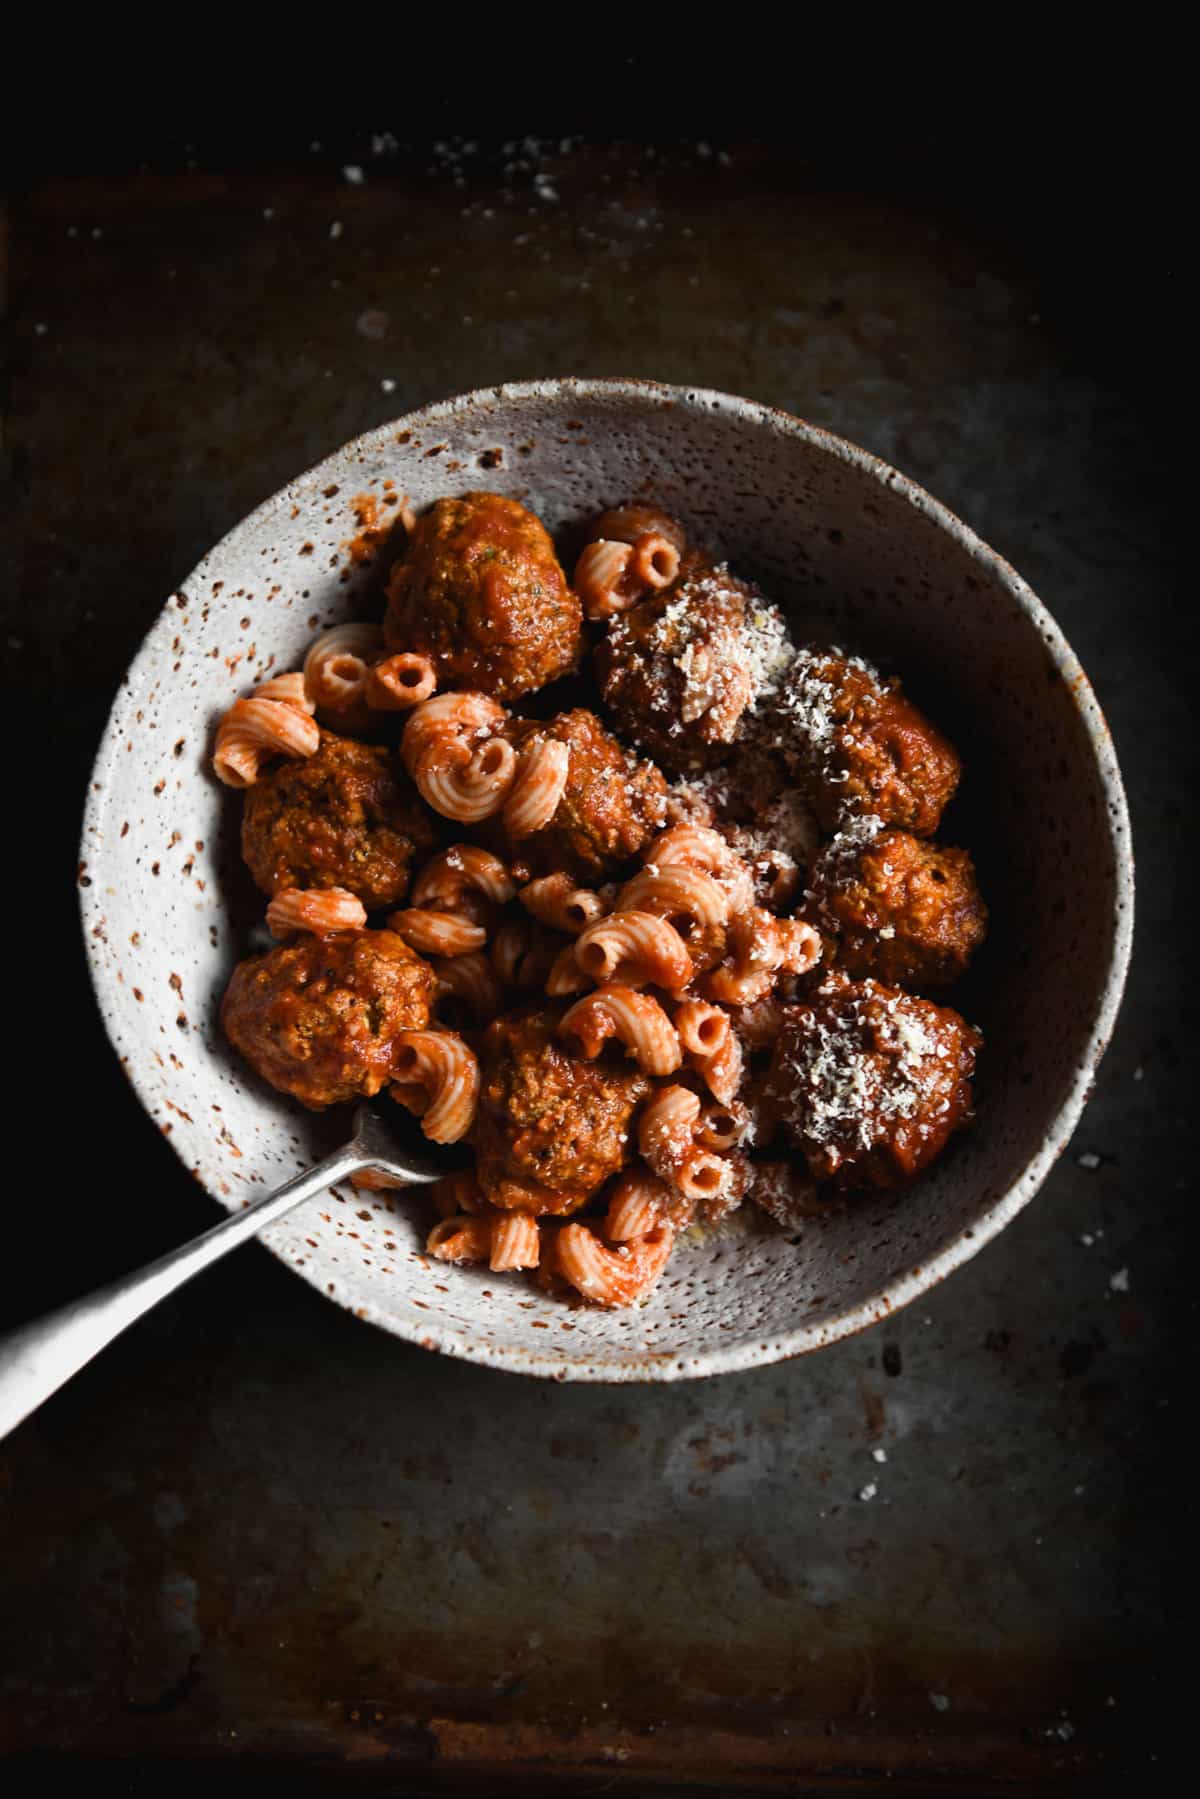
858	554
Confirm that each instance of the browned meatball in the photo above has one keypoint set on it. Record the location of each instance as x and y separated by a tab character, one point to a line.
894	906
612	804
870	1082
551	1128
318	1017
480	591
347	817
858	746
680	670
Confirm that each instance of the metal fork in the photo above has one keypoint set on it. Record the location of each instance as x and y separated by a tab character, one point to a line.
38	1359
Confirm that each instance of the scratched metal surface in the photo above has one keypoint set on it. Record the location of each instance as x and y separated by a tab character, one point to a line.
258	1540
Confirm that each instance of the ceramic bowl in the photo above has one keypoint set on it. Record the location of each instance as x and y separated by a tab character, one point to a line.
858	555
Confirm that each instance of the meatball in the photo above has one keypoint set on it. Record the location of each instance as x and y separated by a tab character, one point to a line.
858	746
318	1017
870	1082
896	907
551	1128
479	590
680	669
612	804
347	817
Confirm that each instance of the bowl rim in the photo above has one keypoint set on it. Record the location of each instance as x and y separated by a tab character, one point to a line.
963	1244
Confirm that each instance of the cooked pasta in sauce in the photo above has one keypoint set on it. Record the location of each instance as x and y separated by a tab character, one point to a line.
653	956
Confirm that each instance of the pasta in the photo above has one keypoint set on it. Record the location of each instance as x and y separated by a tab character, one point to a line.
635	948
537	787
460	767
565	976
637	550
701	848
639	1201
400	682
320	910
634	1019
451	901
723	1127
459	1192
437	933
471	979
276	720
760	947
703	1028
555	900
459	870
515	1242
667	1131
687	896
711	1048
336	667
613	1277
722	1073
459	1239
520	955
437	1077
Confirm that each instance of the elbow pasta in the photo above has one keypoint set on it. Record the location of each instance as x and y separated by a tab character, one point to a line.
565	976
399	683
635	550
634	1019
555	900
667	1139
504	1240
521	956
460	767
723	1127
701	848
460	870
471	979
276	720
638	1203
667	1130
460	1239
722	1071
437	933
635	948
458	1192
336	667
538	786
515	1242
450	901
761	947
320	910
703	1028
612	1277
676	892
436	1076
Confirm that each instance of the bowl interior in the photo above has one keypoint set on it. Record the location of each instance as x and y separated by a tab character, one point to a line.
857	555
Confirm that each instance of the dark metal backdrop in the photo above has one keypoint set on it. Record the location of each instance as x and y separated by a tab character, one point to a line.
258	1539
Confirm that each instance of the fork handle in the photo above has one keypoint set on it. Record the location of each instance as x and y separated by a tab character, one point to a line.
37	1359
